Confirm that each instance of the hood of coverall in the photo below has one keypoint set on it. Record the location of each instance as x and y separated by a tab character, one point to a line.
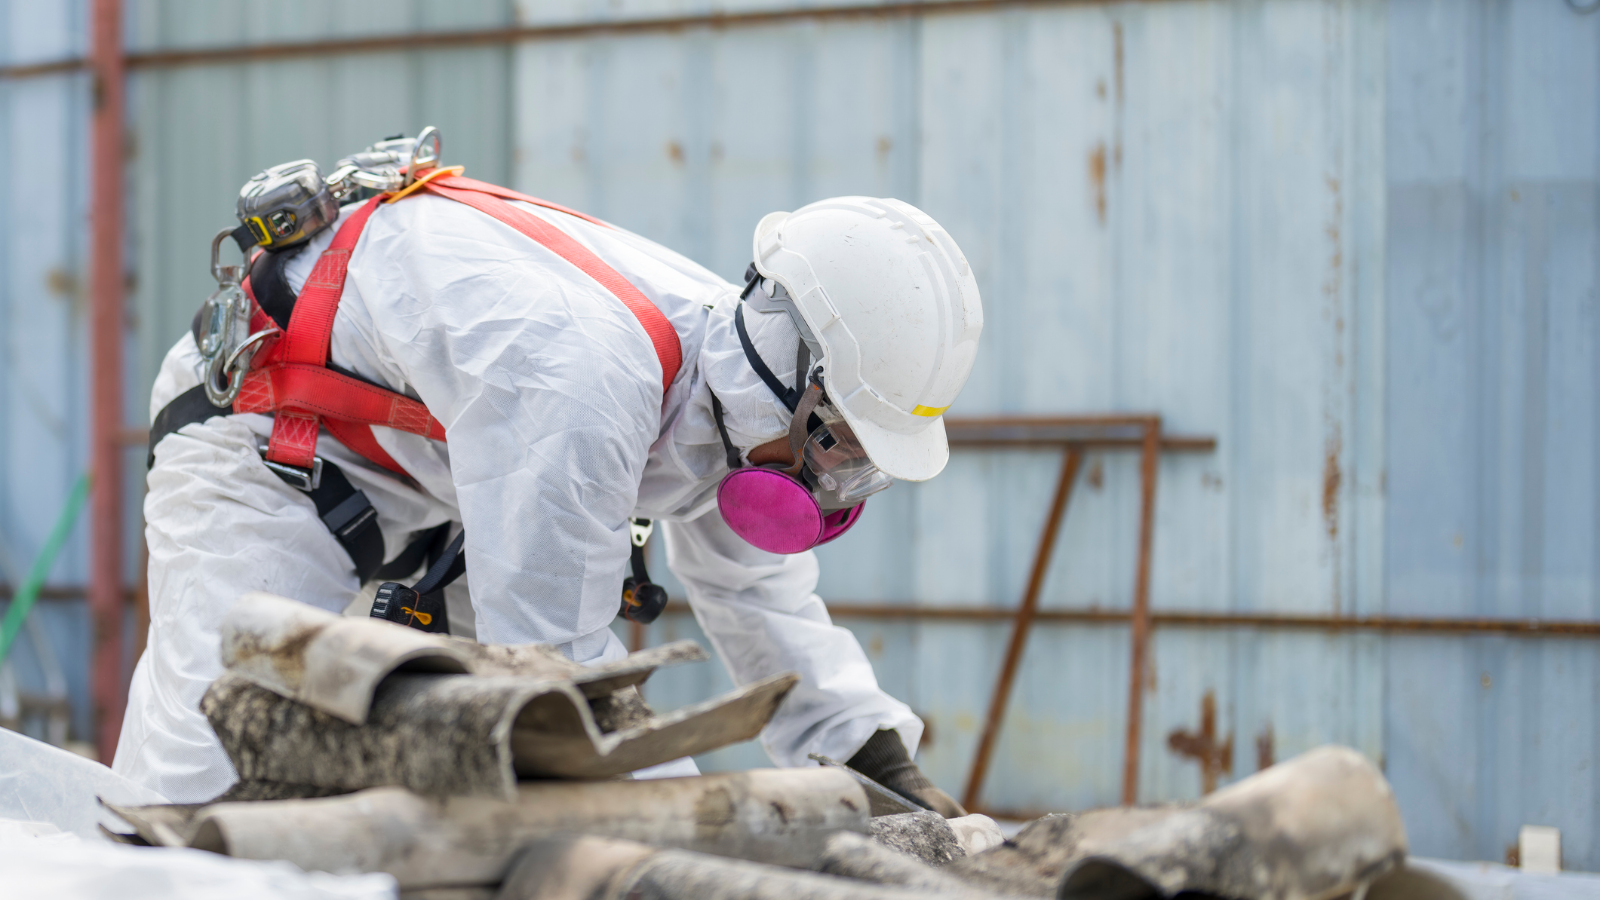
753	413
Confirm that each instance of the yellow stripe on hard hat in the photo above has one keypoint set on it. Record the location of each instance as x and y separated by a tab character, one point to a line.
929	411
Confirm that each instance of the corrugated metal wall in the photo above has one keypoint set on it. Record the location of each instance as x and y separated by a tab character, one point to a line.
1493	231
1170	206
1353	240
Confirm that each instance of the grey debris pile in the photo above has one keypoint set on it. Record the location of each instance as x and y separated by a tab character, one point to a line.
471	772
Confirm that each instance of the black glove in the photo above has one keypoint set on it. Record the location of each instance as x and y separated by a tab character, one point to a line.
884	759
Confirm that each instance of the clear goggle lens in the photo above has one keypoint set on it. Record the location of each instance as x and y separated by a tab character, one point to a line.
835	457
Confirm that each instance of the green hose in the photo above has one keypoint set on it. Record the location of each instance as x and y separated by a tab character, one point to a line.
23	601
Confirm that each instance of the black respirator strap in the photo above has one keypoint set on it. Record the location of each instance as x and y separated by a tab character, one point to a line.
734	462
789	396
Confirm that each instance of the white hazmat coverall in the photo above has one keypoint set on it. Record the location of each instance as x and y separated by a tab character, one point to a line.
550	394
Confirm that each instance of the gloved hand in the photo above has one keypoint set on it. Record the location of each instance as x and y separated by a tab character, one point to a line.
884	759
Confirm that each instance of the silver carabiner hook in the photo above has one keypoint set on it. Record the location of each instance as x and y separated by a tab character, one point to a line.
430	135
224	274
223	319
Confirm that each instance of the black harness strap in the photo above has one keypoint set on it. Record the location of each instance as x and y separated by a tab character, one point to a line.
340	505
187	408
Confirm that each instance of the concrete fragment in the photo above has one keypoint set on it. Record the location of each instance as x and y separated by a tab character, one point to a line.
590	868
976	833
925	835
465	734
335	663
780	816
864	859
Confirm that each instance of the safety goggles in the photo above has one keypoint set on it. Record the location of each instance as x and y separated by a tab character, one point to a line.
835	460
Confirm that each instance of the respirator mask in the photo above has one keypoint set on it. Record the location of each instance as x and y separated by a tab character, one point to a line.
819	495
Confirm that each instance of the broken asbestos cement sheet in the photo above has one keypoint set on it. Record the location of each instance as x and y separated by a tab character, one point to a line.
1317	826
334	663
325	703
779	816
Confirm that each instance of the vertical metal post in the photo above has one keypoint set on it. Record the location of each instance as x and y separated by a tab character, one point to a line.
105	341
1021	626
1150	455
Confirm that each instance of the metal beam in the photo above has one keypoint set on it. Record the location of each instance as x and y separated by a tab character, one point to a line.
106	601
1207	619
1149	456
447	40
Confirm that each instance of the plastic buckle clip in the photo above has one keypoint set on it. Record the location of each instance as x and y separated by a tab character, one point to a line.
639	531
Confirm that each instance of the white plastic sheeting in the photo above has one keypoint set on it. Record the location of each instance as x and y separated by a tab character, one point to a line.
41	783
50	845
67	867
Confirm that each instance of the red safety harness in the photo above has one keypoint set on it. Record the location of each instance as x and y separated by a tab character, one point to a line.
290	377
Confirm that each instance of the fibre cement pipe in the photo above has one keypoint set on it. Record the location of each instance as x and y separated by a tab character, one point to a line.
595	868
779	816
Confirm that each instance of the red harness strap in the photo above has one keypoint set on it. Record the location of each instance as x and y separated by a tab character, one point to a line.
291	378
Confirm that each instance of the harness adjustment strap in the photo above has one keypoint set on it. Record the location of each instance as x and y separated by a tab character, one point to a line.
422	606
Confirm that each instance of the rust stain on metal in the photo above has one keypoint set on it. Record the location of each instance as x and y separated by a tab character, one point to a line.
675	152
1097	180
1215	758
1335	242
1332	478
1265	754
1117	56
1097	475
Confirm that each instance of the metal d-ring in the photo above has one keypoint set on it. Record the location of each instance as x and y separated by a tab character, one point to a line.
228	371
258	337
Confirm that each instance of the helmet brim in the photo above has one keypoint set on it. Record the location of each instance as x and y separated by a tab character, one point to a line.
906	457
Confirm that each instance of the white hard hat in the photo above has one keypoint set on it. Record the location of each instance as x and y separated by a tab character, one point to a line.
893	305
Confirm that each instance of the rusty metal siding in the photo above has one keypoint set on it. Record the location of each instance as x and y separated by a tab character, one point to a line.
1494	224
1195	208
1170	206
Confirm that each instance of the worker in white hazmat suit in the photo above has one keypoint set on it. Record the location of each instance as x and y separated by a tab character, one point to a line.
859	326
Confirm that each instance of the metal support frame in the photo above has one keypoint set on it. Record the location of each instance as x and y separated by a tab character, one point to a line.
106	593
1075	435
1072	461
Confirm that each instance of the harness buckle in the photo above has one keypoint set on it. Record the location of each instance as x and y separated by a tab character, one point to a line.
306	480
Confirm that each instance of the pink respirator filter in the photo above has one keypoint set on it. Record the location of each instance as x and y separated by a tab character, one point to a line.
776	513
